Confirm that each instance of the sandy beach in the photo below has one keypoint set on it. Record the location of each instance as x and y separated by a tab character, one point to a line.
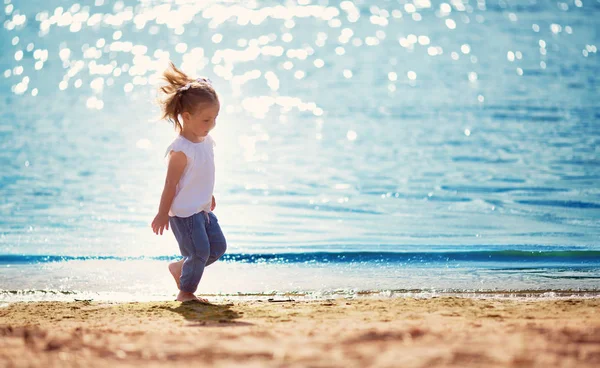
357	332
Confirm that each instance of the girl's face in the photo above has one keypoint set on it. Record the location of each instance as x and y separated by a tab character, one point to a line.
201	121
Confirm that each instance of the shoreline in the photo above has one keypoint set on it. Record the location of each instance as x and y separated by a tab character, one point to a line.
8	297
151	278
439	331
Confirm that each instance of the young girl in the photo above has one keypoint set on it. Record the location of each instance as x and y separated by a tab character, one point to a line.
187	200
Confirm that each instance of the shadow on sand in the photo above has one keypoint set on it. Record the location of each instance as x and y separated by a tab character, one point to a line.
206	314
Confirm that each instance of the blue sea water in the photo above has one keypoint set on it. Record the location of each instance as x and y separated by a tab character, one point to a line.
362	145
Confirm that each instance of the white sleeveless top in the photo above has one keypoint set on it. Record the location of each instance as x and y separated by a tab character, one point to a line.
195	188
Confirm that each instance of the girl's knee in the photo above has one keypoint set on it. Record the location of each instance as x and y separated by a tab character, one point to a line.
219	248
202	254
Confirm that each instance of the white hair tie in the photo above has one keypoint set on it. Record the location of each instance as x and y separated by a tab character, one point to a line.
199	80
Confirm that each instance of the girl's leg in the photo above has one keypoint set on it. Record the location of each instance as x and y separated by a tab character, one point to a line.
194	245
179	227
218	244
175	269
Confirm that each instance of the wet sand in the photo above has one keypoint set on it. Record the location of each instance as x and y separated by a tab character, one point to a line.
362	332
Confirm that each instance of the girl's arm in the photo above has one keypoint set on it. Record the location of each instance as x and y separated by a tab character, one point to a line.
177	162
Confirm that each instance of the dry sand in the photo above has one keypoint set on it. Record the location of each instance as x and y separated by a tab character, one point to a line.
395	332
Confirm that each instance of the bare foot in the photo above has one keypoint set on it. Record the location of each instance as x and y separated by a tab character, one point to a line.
175	269
186	297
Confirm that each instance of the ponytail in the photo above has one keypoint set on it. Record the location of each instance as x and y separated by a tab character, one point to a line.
182	93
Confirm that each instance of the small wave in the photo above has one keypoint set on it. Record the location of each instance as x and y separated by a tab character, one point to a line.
508	180
577	256
526	117
34	292
580	177
422	257
421	293
490	189
566	204
436	198
581	162
486	160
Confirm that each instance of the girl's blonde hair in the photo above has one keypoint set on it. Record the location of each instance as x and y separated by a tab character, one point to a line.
182	93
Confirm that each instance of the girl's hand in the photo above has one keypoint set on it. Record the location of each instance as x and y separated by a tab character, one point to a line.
161	221
214	204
